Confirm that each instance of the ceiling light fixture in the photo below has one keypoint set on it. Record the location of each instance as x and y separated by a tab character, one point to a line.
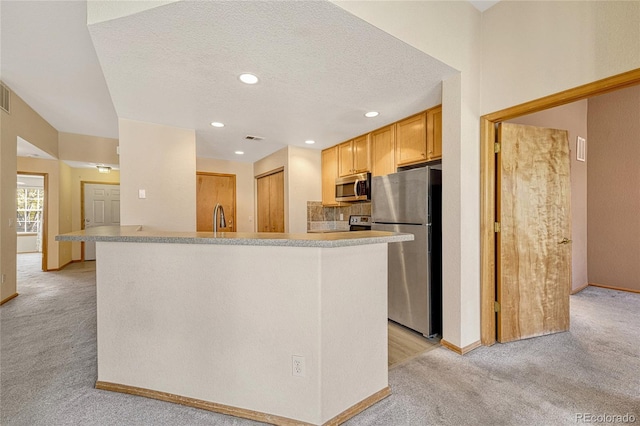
371	114
217	124
104	169
248	78
239	152
309	142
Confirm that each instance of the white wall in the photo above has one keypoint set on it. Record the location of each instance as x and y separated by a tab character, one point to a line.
245	205
162	161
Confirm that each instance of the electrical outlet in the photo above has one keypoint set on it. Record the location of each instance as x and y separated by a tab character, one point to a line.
298	366
341	216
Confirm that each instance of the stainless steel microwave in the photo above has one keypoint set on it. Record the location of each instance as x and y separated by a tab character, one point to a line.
354	187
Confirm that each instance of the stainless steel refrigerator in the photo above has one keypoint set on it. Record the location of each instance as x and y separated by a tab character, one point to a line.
411	202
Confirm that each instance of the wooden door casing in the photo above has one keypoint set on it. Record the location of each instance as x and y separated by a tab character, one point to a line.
532	248
270	195
212	188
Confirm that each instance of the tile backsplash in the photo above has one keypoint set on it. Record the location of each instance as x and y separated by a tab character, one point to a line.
319	217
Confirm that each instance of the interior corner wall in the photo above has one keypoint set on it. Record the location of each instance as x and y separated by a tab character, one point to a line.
451	33
573	118
161	160
531	49
279	159
305	174
64	215
79	175
245	196
26	123
613	150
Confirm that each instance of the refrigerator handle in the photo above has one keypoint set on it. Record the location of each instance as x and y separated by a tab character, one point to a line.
429	238
429	202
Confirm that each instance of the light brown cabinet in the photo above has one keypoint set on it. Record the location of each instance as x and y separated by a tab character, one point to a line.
434	133
329	175
411	140
271	203
383	142
353	156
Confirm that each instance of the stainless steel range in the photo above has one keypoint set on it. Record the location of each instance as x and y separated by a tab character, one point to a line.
359	223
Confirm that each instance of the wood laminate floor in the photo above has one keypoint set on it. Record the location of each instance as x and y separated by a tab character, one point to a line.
405	344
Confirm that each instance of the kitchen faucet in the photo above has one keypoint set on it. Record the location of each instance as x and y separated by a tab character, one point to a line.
223	222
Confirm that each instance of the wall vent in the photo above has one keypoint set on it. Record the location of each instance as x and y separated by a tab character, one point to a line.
254	138
5	97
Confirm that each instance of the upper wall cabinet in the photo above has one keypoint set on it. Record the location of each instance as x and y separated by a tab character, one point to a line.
329	175
383	142
353	156
411	140
434	133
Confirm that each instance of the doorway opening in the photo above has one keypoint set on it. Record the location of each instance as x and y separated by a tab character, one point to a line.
31	220
488	260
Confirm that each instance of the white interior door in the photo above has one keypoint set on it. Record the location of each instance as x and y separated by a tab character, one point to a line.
101	208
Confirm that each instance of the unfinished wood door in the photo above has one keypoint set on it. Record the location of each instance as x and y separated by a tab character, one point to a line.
271	202
212	188
533	243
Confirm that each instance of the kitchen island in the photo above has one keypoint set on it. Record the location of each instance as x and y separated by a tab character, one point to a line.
280	328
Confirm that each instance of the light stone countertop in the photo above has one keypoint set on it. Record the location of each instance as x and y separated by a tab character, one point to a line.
137	234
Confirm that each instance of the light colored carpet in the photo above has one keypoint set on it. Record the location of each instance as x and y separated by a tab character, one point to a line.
48	368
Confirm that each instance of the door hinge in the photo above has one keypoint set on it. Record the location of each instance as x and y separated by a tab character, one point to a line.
496	306
496	147
496	227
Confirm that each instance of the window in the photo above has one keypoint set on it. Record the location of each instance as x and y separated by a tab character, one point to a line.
30	202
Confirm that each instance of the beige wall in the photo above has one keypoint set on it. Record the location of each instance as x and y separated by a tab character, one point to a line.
64	225
536	48
91	149
613	150
244	188
305	184
162	161
26	123
79	175
571	117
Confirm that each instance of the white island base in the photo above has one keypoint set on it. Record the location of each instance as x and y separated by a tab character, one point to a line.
215	326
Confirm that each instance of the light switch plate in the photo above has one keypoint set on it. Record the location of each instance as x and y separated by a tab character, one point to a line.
142	193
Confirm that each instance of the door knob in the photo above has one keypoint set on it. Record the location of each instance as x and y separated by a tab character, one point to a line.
565	241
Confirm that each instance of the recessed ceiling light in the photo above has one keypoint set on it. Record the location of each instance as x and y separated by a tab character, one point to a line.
309	142
239	152
371	114
248	78
217	124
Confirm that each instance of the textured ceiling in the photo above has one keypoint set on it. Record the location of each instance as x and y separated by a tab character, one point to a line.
321	69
